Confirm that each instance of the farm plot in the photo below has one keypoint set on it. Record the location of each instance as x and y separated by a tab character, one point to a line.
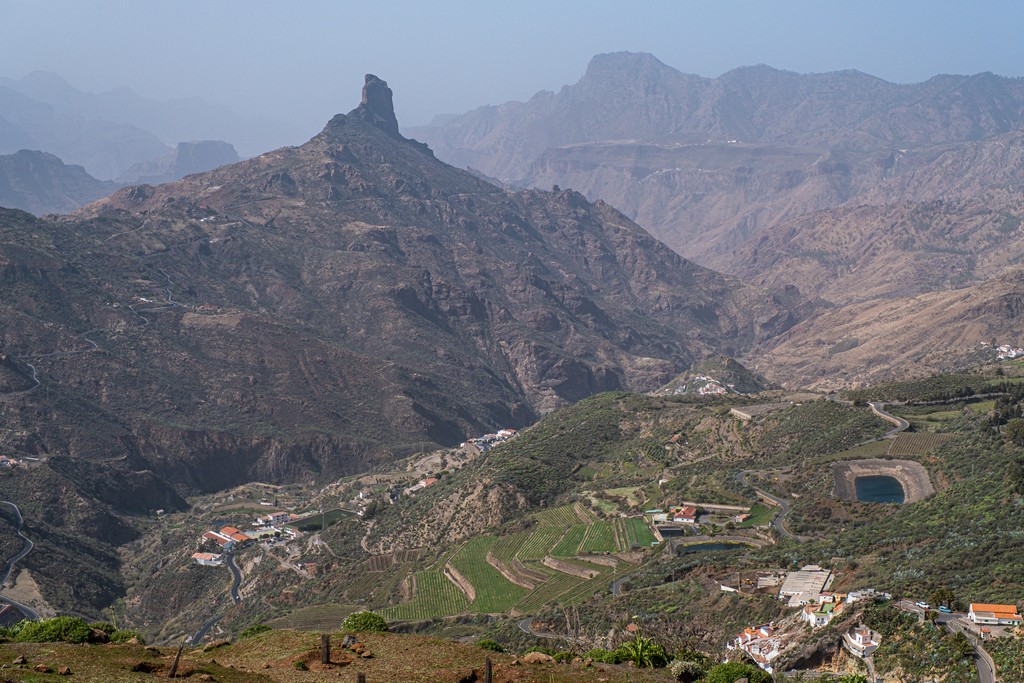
570	543
322	618
549	591
562	517
507	547
917	443
435	596
600	538
494	593
760	515
636	532
539	543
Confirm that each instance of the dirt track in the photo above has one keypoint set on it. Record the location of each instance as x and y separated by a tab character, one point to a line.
912	476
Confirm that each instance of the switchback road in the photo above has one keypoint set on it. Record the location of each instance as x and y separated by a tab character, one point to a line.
26	548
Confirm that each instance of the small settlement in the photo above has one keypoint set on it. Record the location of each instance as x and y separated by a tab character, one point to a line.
806	590
227	539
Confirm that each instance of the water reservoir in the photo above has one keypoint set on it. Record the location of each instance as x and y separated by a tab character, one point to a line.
879	489
709	547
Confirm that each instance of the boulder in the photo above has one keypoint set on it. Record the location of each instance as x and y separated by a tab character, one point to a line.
537	658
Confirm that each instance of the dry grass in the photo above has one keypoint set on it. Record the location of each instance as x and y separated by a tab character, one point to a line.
272	657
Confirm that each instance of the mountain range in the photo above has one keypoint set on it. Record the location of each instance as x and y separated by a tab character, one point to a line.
319	309
841	184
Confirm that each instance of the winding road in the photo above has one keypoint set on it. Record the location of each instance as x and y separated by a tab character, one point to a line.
779	523
878	408
237	573
26	548
953	623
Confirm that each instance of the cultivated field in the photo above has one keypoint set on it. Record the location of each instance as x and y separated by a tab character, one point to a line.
567	533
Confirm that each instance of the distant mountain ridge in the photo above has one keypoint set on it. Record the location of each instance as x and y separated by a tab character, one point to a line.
170	120
708	163
40	183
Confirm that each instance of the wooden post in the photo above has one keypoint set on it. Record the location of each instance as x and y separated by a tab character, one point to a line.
325	648
360	677
487	670
174	666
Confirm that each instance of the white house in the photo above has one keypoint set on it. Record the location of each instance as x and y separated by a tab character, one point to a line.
761	643
208	559
861	641
994	615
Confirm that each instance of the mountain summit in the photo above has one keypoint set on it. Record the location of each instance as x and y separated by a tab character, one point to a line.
377	106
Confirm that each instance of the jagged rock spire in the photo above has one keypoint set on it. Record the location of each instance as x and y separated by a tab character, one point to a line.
377	105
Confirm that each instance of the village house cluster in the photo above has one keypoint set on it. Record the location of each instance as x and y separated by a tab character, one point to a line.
1004	351
229	538
489	441
806	590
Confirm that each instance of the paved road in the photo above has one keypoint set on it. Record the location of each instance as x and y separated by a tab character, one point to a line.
524	626
878	408
954	624
26	548
204	629
779	523
237	573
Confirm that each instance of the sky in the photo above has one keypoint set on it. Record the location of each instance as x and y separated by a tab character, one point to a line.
302	62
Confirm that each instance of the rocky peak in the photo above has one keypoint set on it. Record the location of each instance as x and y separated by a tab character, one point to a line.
377	106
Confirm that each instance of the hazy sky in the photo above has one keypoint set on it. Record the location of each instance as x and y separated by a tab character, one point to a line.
304	61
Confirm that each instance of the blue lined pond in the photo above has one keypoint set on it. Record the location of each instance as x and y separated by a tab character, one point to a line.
879	489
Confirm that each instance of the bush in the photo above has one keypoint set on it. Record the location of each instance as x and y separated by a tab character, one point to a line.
562	657
253	631
365	621
488	644
55	630
686	671
733	671
104	626
605	656
123	635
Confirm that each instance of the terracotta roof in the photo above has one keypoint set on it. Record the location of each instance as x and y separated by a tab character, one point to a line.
228	530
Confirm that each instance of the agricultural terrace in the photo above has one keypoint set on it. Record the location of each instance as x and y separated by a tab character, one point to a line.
519	572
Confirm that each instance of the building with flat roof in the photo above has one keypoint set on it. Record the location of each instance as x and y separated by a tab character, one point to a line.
805	586
994	615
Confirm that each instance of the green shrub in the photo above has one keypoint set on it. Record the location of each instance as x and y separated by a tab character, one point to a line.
300	665
254	630
562	657
644	652
605	656
365	621
55	630
733	671
686	671
123	635
488	644
104	626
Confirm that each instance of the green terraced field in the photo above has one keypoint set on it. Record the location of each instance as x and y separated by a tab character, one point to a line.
435	596
539	543
600	538
637	532
507	547
549	591
570	543
562	517
494	593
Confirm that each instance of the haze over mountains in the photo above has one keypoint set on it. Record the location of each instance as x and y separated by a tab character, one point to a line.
842	184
